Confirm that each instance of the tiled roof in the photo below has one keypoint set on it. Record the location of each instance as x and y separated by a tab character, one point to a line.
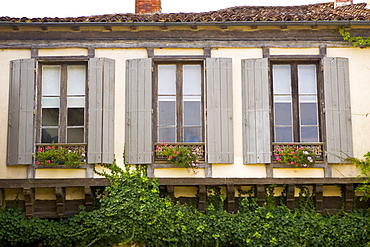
312	12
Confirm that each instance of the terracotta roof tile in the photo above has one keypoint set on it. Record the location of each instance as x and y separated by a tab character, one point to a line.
312	12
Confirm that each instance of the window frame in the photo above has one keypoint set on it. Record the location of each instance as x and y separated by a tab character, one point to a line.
63	109
179	98
295	97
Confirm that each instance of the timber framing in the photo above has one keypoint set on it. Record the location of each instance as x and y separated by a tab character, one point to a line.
61	207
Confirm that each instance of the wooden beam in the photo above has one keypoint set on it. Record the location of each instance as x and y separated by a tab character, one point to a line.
230	198
349	195
29	199
88	198
60	201
319	199
290	196
261	191
202	193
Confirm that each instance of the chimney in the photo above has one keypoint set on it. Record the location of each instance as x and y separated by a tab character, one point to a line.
147	6
339	3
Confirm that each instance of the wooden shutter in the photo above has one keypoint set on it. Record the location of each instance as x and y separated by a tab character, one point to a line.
21	105
138	134
219	110
256	111
337	109
100	147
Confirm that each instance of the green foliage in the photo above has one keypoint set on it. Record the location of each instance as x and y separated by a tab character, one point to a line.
364	165
356	41
295	155
134	213
52	155
179	155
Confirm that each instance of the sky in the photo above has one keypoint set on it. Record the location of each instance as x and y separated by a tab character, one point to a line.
76	8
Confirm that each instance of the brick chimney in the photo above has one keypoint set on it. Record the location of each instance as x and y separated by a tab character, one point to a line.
147	6
339	3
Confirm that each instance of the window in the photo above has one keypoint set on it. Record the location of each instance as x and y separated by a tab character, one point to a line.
178	104
62	103
295	102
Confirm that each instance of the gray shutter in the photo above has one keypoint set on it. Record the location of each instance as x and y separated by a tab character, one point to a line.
219	110
337	109
256	111
100	147
138	132
21	105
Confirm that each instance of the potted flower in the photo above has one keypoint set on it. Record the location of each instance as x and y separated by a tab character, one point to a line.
60	155
179	155
298	156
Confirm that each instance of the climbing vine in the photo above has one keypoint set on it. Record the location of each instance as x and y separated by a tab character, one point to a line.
356	41
134	213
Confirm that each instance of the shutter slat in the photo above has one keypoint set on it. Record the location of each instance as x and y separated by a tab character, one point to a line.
101	111
337	109
219	129
21	104
108	111
138	134
256	111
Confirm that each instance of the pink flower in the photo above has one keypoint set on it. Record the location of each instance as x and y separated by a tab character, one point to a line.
278	159
279	149
47	147
38	162
170	146
83	154
301	148
292	163
289	144
276	154
40	149
170	157
294	156
52	147
48	161
176	152
292	152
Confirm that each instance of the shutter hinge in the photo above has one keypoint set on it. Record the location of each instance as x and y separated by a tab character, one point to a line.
322	68
34	69
34	112
152	69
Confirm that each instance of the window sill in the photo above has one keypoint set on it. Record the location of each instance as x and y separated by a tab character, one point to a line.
82	166
282	165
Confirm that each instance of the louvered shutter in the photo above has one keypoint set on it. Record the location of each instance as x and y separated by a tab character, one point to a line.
337	109
256	111
21	105
219	110
101	111
138	134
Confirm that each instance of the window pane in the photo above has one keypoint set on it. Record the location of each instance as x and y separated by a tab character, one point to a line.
50	117
166	79
192	112
309	134
307	79
308	113
283	110
75	117
76	80
167	134
50	80
49	135
282	79
192	134
76	101
75	135
192	79
50	102
283	134
167	112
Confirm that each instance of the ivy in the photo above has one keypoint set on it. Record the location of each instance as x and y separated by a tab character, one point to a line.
133	212
357	41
